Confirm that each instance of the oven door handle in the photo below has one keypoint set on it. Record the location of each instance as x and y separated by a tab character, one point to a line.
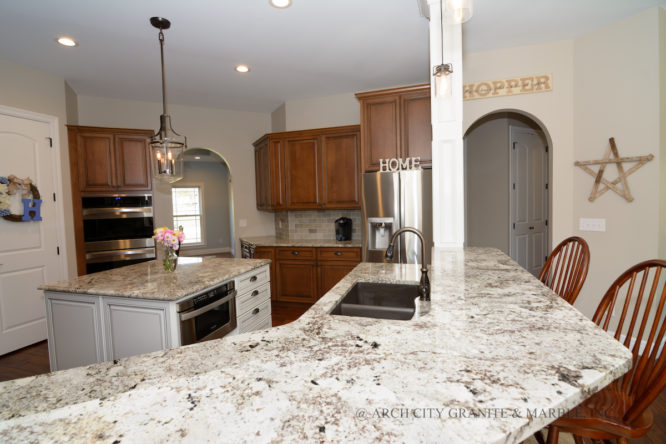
194	313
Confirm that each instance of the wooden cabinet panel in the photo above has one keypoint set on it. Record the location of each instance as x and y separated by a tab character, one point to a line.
133	162
268	253
329	274
340	170
96	162
345	254
295	253
262	175
276	180
417	127
380	131
297	281
301	169
395	123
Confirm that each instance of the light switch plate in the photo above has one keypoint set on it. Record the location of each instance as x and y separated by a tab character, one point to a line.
585	224
242	223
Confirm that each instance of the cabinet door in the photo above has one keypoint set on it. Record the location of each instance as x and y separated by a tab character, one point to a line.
262	175
74	331
132	162
133	330
268	253
417	126
380	130
341	172
330	274
301	168
275	187
96	162
297	281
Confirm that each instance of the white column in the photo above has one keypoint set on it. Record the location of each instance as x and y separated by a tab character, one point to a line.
447	145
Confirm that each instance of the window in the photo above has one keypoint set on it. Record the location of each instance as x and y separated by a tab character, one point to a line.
187	205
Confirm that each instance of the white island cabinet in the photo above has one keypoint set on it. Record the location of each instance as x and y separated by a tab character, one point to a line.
100	317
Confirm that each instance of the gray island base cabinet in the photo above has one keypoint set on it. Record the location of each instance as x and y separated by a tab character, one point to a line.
89	328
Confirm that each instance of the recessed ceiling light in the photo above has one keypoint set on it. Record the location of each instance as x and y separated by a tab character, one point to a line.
280	3
243	68
66	41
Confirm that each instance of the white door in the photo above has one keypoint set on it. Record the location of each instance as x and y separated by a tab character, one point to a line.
28	250
529	199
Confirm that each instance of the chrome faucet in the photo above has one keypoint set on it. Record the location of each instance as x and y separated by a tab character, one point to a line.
424	284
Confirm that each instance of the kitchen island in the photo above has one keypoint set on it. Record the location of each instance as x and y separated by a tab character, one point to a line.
497	357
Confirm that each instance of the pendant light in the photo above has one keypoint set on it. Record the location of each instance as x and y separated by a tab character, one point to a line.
458	11
166	145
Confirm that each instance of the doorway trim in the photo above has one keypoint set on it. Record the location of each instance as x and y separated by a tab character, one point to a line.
53	123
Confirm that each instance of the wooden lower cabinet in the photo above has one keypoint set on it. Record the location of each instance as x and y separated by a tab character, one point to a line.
329	274
297	281
301	274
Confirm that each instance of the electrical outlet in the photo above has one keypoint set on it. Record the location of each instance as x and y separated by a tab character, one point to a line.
591	224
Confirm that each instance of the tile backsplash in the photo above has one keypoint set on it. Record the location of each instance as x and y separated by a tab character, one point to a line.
315	224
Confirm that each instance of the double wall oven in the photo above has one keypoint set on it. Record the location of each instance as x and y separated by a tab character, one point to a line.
117	230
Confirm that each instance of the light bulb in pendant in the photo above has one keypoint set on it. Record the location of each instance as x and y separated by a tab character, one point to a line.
459	11
442	79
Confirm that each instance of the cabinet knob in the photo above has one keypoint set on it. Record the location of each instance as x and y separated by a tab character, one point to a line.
254	293
295	253
255	311
253	278
338	253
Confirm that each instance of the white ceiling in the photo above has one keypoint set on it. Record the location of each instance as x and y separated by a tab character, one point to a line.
314	48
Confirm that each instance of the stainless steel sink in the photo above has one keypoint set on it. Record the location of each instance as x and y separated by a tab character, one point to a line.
380	301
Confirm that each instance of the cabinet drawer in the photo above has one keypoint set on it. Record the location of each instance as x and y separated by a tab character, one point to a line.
296	253
347	254
249	300
252	279
247	321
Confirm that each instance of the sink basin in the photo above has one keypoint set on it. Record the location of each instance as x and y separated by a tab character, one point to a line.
380	301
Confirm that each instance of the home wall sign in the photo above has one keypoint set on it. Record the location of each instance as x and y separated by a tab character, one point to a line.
30	199
391	165
508	87
612	156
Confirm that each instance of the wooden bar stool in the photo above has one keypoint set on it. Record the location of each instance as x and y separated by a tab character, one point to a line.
566	268
621	410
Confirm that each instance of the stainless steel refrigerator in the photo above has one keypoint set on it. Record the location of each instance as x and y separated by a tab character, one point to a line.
392	200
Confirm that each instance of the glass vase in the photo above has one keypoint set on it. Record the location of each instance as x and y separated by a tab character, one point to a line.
170	260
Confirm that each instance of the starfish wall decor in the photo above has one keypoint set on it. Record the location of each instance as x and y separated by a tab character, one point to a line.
622	174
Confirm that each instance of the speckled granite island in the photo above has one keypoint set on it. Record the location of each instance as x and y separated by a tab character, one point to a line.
494	360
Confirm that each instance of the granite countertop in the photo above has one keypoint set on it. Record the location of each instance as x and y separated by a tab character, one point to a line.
148	280
272	241
495	352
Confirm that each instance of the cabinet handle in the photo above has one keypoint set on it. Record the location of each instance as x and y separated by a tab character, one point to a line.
295	253
531	228
254	293
338	253
253	278
255	311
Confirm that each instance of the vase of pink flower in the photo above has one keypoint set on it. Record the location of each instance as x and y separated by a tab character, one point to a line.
170	240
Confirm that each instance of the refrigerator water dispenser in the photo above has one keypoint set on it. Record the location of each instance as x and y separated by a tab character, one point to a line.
380	230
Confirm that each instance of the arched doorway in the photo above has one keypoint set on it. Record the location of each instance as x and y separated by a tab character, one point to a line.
507	185
203	204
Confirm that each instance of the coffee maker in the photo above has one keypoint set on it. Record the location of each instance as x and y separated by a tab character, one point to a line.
343	229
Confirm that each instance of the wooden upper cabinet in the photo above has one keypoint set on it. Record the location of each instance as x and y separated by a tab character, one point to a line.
109	160
95	159
309	169
133	162
416	126
395	123
340	167
301	171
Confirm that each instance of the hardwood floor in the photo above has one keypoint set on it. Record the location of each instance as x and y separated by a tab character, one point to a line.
34	360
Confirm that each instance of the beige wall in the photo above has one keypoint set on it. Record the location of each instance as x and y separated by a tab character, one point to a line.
24	88
279	119
229	133
71	105
662	135
551	110
616	72
321	112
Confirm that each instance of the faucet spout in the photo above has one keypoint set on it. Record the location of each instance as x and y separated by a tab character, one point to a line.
424	283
